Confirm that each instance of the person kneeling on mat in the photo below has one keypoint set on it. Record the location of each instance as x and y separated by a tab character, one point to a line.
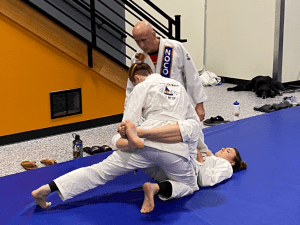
210	170
160	101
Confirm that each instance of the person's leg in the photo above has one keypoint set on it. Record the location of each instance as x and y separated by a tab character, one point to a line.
150	189
181	174
86	178
155	173
40	194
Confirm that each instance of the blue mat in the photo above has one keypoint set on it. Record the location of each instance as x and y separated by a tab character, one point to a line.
268	192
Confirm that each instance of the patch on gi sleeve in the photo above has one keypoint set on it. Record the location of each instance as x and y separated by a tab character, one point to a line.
188	57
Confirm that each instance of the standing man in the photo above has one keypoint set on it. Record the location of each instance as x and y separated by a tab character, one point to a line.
170	59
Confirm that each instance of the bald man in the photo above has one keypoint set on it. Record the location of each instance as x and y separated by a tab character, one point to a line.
170	59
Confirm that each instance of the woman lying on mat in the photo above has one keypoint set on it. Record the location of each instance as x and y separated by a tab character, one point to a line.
210	169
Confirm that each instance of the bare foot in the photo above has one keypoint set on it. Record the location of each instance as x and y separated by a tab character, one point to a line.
132	135
122	128
123	131
40	196
149	191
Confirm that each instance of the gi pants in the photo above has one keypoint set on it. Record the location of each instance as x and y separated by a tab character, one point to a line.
178	169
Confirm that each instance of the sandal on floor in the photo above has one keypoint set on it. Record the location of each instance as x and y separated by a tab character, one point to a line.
265	108
288	103
29	165
213	121
96	149
48	162
105	148
281	105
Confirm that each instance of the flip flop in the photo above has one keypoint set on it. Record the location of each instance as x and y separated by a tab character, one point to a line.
48	162
265	108
96	149
213	121
105	148
29	165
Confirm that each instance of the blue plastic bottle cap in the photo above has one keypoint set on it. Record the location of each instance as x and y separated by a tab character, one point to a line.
236	103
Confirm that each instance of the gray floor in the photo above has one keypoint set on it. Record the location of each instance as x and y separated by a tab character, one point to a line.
59	147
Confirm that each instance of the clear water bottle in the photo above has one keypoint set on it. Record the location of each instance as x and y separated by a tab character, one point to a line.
77	147
236	110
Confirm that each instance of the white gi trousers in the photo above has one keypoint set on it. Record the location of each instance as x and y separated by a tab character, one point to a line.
178	169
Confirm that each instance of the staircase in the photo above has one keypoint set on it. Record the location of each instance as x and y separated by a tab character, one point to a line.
105	25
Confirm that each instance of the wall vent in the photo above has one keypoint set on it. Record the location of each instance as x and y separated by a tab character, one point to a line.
65	103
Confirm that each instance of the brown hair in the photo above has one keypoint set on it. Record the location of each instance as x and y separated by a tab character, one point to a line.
239	164
140	65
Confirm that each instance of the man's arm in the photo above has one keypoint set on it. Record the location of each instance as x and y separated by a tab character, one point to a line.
182	131
193	83
200	111
169	133
199	156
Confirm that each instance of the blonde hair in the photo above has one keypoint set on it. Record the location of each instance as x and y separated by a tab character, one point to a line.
139	65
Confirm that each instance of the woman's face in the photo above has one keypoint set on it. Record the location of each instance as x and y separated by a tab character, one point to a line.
227	153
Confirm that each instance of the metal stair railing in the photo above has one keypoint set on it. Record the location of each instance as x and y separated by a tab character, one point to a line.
95	21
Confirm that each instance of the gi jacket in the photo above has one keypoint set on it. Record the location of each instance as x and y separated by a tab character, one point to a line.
162	101
175	62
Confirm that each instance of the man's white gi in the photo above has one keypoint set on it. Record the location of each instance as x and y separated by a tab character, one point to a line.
160	101
174	62
177	64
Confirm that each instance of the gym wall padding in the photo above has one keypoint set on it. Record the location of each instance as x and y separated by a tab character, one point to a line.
35	61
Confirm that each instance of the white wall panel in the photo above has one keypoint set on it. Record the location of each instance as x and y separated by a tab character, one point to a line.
240	38
291	42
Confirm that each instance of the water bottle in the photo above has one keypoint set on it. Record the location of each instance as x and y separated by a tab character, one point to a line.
77	147
236	110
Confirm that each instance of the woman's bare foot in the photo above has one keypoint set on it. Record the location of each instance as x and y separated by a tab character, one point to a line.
149	191
122	129
132	135
40	196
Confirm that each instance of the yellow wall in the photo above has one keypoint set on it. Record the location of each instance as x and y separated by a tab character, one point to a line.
31	68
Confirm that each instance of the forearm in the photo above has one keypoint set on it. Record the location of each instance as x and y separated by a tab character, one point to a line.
169	133
200	111
199	156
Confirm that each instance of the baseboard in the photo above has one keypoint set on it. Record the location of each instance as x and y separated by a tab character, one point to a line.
41	133
292	84
234	80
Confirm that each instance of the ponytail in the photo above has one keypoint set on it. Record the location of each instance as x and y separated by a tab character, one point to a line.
138	65
239	164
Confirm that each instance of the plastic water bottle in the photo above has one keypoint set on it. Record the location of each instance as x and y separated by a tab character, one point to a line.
77	147
236	110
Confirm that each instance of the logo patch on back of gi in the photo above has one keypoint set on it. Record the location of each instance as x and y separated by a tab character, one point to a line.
170	91
167	61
